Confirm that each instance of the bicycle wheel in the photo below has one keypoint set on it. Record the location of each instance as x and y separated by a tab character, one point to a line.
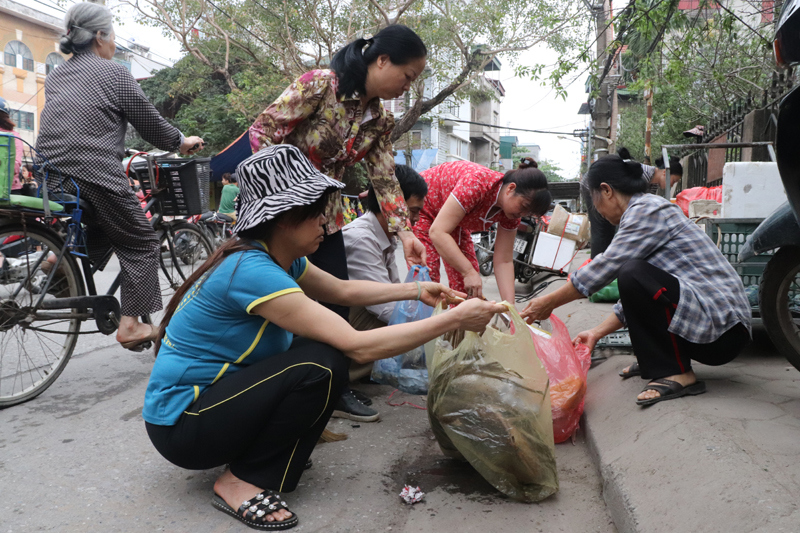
184	247
35	345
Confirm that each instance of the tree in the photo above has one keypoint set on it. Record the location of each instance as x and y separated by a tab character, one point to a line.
551	170
281	39
699	64
198	100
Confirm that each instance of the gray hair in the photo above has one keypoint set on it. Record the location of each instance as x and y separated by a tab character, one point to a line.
83	23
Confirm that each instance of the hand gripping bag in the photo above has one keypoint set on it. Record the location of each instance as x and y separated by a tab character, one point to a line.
567	366
407	371
489	403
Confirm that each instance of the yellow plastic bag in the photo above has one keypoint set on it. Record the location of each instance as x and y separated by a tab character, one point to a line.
489	403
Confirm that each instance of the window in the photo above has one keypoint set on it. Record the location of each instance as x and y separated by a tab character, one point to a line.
450	106
416	140
53	60
23	119
18	55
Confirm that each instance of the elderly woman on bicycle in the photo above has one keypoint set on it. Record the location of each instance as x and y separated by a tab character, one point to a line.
256	391
89	102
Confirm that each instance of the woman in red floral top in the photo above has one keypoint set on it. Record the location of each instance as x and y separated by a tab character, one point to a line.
464	197
336	118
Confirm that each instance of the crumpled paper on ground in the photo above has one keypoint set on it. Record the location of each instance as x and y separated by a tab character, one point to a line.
411	495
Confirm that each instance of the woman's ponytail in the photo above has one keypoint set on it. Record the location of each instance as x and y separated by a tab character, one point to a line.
621	175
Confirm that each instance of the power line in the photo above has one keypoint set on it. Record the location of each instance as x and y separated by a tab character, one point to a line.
62	10
498	127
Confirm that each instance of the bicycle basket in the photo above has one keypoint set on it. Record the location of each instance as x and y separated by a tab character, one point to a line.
183	182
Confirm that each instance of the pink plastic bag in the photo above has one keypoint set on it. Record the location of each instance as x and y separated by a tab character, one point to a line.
567	368
698	193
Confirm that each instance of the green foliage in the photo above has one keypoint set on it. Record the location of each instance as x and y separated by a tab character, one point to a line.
698	63
198	101
551	170
258	45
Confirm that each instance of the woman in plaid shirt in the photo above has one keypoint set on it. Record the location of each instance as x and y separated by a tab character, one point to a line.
679	297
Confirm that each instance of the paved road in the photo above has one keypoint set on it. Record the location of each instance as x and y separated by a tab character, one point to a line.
77	458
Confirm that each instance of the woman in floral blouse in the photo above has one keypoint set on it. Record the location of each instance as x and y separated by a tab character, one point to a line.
336	118
464	197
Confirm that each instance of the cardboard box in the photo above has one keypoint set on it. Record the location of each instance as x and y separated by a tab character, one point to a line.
573	226
553	252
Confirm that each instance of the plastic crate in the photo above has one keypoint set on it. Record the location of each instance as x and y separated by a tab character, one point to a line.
184	182
730	235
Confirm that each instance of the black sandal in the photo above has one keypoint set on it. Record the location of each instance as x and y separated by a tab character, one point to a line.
633	370
253	513
669	390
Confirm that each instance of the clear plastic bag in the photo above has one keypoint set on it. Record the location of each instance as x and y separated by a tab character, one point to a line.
489	403
567	366
408	371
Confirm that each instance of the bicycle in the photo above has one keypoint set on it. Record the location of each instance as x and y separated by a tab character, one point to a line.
218	227
47	285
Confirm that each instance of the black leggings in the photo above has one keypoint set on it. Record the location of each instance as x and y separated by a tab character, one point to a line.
649	298
263	420
332	258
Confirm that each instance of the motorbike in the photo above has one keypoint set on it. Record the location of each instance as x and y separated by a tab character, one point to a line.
779	289
216	226
524	244
484	250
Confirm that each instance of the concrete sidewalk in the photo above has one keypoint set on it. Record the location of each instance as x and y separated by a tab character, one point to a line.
723	461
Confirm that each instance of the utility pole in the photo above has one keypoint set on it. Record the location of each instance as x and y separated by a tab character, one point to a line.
648	128
602	111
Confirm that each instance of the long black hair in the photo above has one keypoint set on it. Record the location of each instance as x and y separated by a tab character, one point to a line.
242	242
350	63
532	184
620	175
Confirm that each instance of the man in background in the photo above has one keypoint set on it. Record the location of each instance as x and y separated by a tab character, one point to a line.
370	249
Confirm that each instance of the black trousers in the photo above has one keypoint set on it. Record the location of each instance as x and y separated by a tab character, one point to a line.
649	298
118	222
263	420
332	258
601	230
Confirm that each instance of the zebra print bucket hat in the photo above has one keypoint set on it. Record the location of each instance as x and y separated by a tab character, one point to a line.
274	180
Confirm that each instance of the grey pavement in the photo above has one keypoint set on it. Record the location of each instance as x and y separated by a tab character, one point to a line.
78	459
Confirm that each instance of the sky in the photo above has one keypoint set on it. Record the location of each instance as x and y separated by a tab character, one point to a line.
527	104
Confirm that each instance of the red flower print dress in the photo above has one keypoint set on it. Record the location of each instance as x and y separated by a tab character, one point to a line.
476	189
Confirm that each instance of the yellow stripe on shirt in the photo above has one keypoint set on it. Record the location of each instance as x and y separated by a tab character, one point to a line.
304	270
271	297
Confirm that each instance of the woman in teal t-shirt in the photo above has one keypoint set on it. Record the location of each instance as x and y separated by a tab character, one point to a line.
250	366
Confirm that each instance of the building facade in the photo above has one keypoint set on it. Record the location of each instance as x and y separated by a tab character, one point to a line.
30	43
445	134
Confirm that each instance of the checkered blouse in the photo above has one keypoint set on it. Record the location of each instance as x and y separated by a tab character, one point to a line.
652	229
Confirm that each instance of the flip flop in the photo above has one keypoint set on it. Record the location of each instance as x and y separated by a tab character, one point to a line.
633	370
670	390
253	513
139	345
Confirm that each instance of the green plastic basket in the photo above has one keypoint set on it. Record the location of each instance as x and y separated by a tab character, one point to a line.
730	235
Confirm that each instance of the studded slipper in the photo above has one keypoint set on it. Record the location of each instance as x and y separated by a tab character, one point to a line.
253	512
